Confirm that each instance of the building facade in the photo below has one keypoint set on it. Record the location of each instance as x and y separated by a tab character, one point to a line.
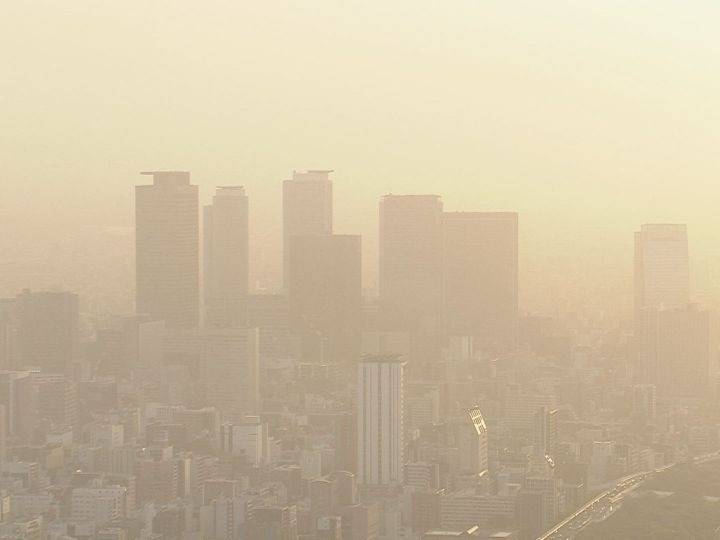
226	256
480	271
380	420
307	209
167	249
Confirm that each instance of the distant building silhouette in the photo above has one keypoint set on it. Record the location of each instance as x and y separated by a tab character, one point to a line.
226	257
662	282
470	435
18	398
57	400
411	268
679	350
48	331
167	249
307	209
325	292
662	268
230	364
480	269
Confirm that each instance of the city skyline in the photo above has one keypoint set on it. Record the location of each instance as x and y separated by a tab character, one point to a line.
369	270
577	159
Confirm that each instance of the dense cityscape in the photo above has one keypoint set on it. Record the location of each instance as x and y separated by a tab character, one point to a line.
359	270
319	408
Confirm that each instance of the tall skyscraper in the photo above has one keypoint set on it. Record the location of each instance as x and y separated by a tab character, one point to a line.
226	258
380	420
662	268
48	331
307	209
411	280
480	268
167	249
325	292
662	286
679	350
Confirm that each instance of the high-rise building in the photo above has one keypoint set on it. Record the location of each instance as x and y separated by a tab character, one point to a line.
307	209
270	313
320	491
325	292
545	432
345	433
158	475
222	518
533	510
679	350
471	440
48	331
662	269
130	343
230	362
57	400
645	402
480	270
8	333
225	255
411	280
421	402
361	521
273	523
380	420
167	249
18	399
99	504
247	438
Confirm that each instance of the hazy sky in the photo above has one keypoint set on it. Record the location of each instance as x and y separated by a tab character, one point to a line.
588	116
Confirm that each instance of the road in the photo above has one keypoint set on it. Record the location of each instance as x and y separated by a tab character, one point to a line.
608	501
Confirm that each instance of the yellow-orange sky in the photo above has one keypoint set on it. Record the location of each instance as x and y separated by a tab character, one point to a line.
589	117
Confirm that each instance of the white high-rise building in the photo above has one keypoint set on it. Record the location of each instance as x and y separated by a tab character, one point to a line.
380	420
225	255
167	249
662	269
307	209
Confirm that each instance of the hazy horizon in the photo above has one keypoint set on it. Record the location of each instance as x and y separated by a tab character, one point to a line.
470	287
586	119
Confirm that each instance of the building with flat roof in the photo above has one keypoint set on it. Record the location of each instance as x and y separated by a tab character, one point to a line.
167	249
307	209
380	420
226	256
